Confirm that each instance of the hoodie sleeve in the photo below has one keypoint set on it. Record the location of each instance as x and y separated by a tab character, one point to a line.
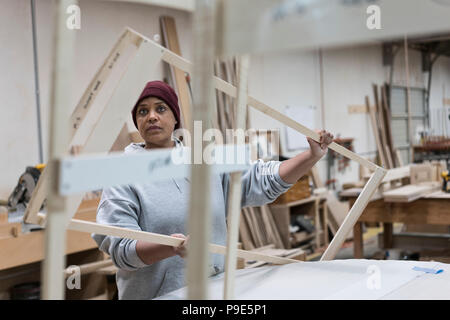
261	184
119	207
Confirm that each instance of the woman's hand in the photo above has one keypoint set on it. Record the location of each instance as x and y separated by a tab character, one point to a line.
181	250
319	149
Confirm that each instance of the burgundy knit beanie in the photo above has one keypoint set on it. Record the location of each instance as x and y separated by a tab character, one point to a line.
162	91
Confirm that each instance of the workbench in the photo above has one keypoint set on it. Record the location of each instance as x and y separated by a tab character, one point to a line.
19	248
22	253
337	279
431	209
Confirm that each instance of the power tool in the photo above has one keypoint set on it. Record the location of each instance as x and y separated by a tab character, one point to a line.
24	189
445	184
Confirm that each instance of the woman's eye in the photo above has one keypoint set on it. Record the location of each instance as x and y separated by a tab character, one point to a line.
161	108
143	111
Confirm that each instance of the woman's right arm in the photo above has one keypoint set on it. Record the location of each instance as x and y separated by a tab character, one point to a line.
119	207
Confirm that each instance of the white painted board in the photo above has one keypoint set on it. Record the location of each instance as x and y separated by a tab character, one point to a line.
93	172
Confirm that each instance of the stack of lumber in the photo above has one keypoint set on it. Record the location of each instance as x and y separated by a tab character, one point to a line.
423	180
411	192
380	117
226	69
422	173
257	228
264	144
178	79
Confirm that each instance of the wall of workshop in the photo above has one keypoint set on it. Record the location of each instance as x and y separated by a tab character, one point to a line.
101	24
289	78
294	78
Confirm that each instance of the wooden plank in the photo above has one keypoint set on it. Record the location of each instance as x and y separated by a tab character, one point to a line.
317	222
249	223
61	88
95	86
387	121
325	222
395	174
259	236
358	241
382	128
422	173
89	267
234	210
410	192
234	203
281	216
92	227
307	132
354	214
220	99
244	233
199	208
171	40
408	99
129	41
376	133
267	215
114	114
358	108
338	211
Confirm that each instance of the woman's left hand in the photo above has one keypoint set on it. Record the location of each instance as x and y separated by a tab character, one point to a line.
319	149
181	250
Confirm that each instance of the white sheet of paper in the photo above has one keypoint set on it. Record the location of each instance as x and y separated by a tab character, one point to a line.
305	116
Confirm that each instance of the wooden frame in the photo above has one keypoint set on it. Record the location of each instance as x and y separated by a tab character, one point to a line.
114	117
196	271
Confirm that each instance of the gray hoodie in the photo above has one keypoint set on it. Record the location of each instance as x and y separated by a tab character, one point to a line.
162	208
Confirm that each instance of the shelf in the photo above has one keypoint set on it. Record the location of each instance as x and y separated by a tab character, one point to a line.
295	203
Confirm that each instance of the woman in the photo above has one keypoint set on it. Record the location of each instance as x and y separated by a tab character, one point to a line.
147	270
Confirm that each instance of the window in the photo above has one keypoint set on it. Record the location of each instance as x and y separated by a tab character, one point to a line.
399	119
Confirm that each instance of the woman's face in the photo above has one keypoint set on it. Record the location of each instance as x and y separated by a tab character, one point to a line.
156	122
